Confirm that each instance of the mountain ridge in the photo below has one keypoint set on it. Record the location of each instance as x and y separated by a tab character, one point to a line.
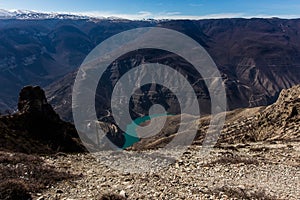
256	57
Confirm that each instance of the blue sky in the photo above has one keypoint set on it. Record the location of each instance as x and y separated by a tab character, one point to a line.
137	9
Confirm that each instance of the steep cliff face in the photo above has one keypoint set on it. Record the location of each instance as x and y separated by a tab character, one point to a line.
36	128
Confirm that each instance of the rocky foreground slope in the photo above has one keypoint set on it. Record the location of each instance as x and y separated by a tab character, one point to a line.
256	171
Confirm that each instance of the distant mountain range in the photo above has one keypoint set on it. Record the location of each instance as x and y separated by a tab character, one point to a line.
29	14
256	57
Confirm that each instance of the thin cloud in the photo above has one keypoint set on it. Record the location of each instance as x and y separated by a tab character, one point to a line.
173	13
166	15
195	4
177	15
196	17
105	14
274	16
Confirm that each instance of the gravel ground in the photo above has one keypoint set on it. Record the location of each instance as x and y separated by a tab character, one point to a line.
252	171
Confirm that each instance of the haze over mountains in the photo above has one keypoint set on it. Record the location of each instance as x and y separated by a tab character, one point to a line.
256	57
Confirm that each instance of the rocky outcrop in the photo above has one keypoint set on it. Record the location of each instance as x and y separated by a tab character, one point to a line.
33	100
279	121
36	128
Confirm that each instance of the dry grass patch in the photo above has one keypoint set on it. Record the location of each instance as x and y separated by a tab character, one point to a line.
239	193
22	174
112	197
233	159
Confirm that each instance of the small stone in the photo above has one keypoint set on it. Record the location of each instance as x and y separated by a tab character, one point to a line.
59	191
103	179
129	187
123	194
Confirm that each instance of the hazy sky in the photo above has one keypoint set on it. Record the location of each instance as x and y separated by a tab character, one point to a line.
163	8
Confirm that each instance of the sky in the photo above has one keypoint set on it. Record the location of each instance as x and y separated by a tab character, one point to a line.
161	9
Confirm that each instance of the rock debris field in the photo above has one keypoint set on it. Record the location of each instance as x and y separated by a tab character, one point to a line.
241	171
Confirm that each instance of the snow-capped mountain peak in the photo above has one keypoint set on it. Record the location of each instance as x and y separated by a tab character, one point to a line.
27	14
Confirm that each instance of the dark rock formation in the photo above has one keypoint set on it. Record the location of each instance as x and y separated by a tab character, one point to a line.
33	100
36	128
